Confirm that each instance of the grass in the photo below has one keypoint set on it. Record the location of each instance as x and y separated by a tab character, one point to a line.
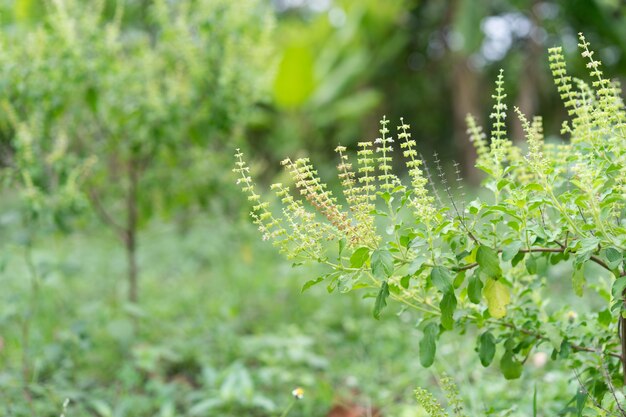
221	329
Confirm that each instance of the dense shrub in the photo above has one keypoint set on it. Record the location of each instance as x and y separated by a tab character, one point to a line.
483	264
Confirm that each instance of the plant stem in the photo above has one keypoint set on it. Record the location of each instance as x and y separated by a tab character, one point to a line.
289	407
540	336
131	232
594	258
27	321
622	336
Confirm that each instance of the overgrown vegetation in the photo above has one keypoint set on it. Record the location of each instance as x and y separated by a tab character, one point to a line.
483	264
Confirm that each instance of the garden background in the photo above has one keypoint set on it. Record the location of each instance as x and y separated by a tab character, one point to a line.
131	279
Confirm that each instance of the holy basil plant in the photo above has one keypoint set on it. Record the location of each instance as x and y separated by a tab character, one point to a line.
484	265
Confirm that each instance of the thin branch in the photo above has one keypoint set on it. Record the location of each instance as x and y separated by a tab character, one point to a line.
611	387
594	258
574	346
586	392
104	215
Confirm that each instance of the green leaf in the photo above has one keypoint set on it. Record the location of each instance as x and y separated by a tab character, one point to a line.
474	289
581	400
589	244
531	265
404	281
311	283
497	296
510	367
382	263
534	187
428	344
416	264
517	258
440	277
359	257
605	317
619	285
342	246
447	306
458	279
294	81
381	299
578	280
613	257
565	349
509	251
554	335
486	348
488	260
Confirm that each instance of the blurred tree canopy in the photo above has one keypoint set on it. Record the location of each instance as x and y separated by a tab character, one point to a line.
162	92
154	103
345	64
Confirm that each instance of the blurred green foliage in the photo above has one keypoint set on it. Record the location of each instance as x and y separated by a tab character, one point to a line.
346	63
182	78
178	85
223	333
149	106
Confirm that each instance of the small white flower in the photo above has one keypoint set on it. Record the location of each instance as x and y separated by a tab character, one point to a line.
298	393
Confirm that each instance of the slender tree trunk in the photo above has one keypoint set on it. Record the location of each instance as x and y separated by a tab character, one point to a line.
131	232
529	80
466	85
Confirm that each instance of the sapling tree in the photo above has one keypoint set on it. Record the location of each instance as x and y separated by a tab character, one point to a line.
152	100
46	185
483	264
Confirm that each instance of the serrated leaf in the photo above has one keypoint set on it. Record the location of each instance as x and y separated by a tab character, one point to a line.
311	283
381	299
447	307
474	289
359	257
489	262
382	263
497	296
486	348
510	367
440	277
428	345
